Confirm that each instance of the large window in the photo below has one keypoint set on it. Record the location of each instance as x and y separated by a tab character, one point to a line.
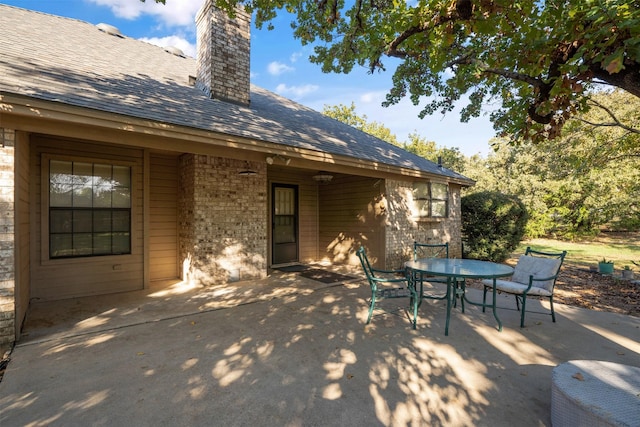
89	209
431	200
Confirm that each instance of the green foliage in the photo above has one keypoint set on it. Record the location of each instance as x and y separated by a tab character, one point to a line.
492	224
586	179
536	61
349	116
451	158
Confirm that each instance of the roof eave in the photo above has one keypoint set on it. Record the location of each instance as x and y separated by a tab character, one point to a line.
150	134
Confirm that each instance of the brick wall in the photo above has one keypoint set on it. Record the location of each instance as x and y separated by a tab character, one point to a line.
7	237
223	53
402	229
222	220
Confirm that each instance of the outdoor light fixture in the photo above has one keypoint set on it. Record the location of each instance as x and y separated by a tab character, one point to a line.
247	171
322	178
271	159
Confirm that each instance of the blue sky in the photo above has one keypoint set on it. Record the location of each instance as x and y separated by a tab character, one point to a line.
280	64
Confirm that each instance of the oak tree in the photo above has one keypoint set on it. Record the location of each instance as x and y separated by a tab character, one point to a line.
535	62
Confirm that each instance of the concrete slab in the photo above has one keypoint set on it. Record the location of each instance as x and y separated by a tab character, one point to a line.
289	351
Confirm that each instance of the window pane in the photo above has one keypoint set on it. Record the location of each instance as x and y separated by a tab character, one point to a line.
60	195
83	174
60	172
285	198
422	208
122	176
60	221
121	197
60	183
439	191
82	244
102	243
121	221
121	243
101	175
420	190
102	221
439	208
102	196
82	221
82	197
60	245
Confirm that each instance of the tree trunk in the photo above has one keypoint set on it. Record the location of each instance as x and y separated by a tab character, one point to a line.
627	79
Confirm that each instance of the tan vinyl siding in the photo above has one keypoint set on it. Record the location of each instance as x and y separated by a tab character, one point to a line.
163	223
67	278
307	209
352	214
22	228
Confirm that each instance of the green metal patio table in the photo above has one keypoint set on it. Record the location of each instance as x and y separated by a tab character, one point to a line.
456	270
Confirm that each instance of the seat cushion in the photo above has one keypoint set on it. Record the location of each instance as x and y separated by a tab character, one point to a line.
517	288
538	267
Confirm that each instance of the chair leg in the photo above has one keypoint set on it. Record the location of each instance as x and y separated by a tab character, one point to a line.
524	302
517	302
373	303
416	300
553	313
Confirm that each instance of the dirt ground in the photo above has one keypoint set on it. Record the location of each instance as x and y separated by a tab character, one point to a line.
595	291
584	288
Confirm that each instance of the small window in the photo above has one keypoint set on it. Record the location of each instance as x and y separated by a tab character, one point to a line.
89	209
431	200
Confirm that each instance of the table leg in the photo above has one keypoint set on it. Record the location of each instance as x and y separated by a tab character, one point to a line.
449	296
495	306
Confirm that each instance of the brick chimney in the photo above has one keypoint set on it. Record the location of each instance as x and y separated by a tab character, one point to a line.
223	46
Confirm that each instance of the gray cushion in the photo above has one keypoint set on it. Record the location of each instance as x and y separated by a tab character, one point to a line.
538	267
517	288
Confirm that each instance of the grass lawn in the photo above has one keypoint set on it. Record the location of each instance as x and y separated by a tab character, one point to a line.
621	248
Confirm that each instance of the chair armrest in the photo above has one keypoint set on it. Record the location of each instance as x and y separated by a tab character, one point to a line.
541	279
389	280
375	270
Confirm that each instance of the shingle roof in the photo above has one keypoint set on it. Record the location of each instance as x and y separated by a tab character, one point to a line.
72	62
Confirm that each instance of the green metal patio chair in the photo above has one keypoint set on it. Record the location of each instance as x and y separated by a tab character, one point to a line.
388	284
535	274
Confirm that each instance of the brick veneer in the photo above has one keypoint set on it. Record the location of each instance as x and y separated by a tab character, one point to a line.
7	236
402	230
222	220
223	53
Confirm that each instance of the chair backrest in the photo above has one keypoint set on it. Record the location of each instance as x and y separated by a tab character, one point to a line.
540	265
430	250
364	261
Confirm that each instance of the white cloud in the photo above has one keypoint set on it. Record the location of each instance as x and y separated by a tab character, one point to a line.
295	91
276	68
373	97
173	13
295	56
180	42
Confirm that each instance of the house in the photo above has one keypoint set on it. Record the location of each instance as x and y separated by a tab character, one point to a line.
123	164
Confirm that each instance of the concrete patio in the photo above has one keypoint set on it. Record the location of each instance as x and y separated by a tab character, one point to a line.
289	351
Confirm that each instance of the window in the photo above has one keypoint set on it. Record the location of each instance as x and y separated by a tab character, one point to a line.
89	209
431	199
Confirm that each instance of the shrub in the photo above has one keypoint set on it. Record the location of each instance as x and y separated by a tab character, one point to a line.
493	225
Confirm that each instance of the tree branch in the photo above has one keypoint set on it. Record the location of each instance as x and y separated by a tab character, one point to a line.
616	122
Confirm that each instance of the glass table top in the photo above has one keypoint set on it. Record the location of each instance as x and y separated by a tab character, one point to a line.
460	267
